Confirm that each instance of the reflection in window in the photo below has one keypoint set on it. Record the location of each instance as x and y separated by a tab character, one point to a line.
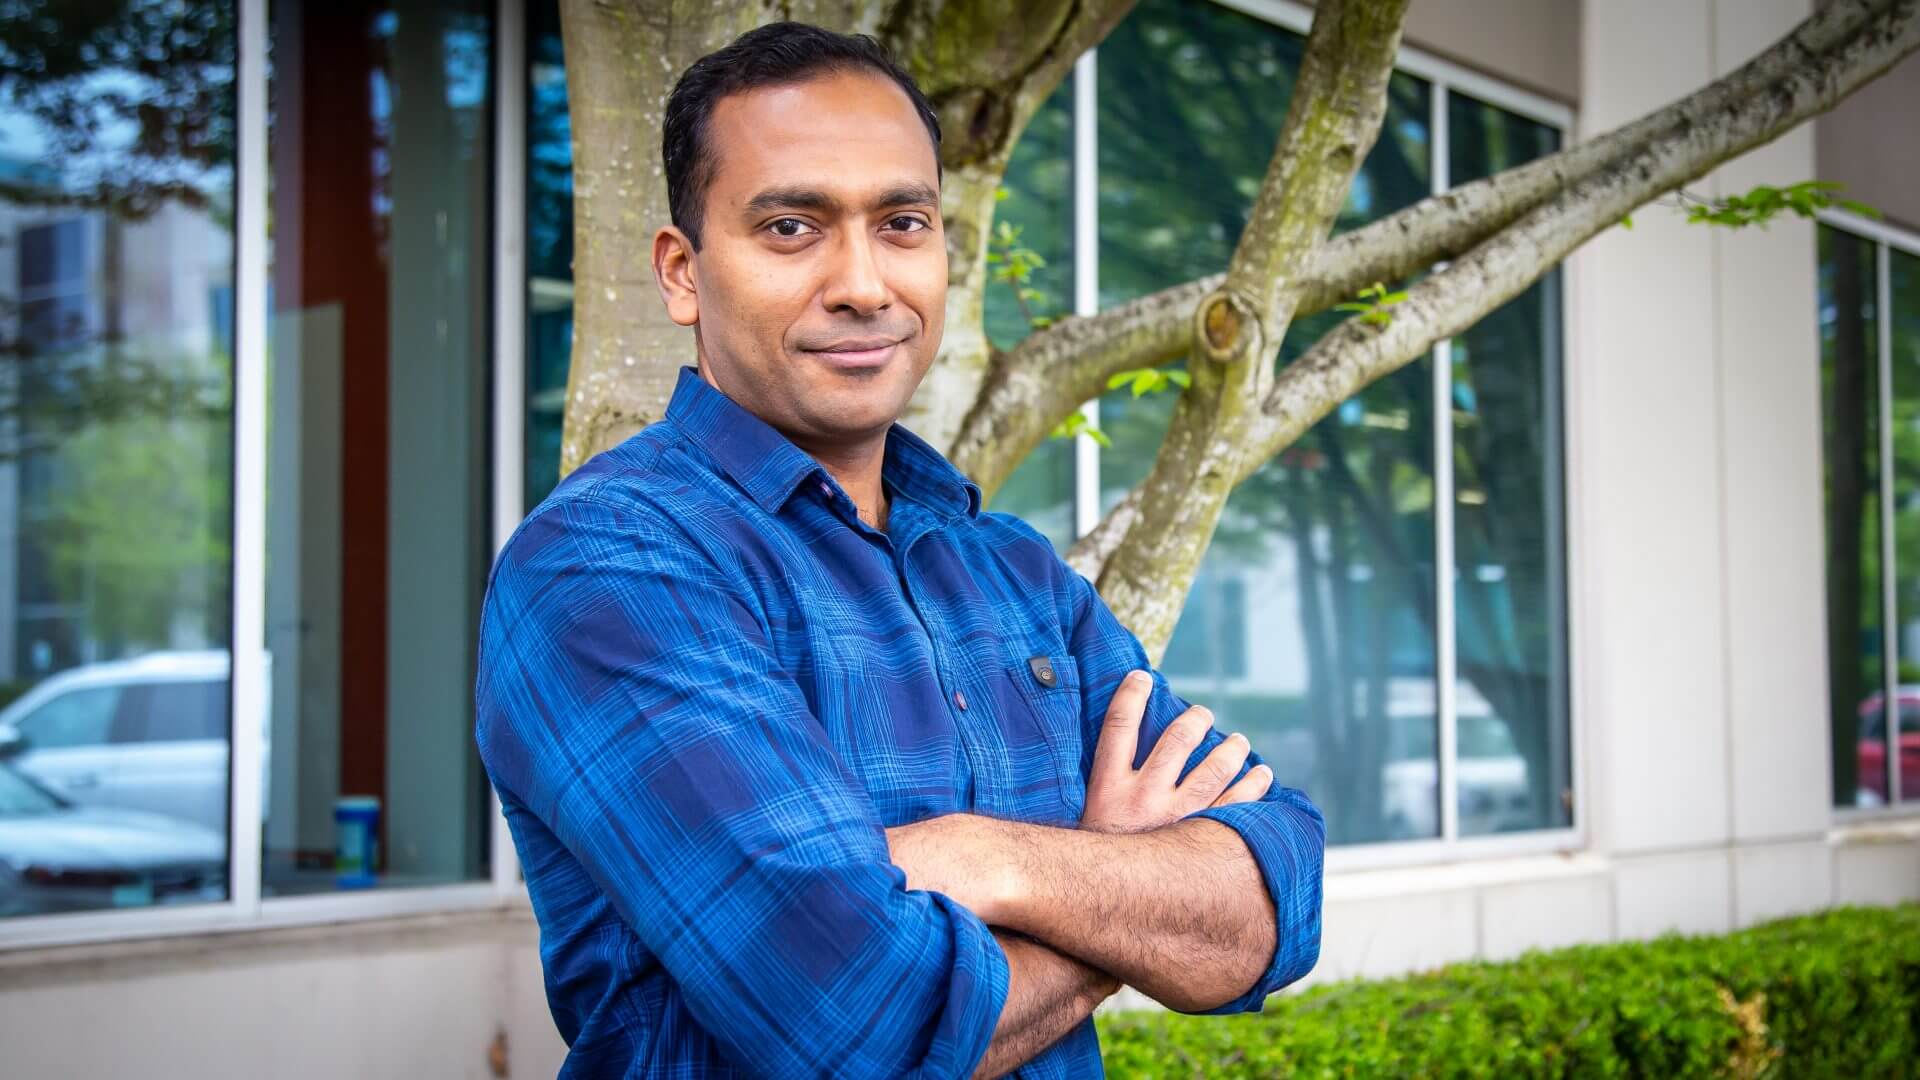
549	249
116	270
1331	544
1039	203
377	520
1903	331
1850	407
1509	573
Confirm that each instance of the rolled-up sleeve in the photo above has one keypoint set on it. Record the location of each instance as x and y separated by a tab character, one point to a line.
1283	830
630	699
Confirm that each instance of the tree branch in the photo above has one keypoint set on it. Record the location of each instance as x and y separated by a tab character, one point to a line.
1338	103
1050	374
1355	353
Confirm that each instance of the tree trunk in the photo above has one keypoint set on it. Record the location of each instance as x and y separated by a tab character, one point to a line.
985	67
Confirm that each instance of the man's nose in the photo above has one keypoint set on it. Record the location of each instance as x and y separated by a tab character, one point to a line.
855	282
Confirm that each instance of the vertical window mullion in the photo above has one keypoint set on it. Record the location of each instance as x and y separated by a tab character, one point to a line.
509	334
1889	579
246	756
1447	737
1086	273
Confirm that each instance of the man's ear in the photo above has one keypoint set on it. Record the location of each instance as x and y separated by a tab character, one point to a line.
673	272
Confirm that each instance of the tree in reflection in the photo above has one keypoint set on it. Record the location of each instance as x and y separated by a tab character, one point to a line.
118	171
135	99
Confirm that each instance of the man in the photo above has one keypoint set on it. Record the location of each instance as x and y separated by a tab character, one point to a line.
813	766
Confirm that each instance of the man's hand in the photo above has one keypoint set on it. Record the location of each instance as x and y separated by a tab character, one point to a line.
1123	799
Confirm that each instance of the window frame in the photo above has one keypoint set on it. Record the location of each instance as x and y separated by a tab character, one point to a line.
245	909
1444	78
1886	239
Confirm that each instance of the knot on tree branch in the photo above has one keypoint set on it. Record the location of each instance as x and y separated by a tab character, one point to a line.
1226	327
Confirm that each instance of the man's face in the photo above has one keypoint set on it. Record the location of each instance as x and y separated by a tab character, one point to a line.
819	292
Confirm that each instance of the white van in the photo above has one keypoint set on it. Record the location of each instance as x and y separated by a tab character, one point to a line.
146	734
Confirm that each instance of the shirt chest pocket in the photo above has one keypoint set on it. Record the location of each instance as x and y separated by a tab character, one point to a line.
1040	711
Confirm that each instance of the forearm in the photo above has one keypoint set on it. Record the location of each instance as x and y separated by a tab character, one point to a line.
1047	995
1181	912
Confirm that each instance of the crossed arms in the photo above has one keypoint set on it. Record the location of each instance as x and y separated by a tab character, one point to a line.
1175	907
638	725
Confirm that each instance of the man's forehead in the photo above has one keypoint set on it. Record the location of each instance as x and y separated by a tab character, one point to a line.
853	134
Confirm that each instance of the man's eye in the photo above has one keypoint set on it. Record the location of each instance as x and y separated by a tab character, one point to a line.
909	224
788	227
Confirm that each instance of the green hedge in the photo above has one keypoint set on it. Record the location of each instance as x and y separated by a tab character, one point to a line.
1829	995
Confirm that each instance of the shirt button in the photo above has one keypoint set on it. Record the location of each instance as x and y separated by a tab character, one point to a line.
960	700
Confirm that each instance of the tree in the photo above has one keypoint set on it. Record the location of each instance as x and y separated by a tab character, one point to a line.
988	65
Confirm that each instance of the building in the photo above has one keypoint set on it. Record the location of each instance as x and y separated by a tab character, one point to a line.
1672	494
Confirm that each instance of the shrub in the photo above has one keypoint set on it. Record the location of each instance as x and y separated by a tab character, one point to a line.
1835	994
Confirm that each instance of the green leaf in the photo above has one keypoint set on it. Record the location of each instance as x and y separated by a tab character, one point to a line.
1626	221
1180	377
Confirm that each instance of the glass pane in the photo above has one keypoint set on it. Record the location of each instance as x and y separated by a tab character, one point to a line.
549	248
1039	203
116	409
1903	311
1310	625
1509	553
378	537
1850	410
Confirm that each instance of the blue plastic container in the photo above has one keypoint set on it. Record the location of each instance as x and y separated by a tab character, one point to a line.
356	827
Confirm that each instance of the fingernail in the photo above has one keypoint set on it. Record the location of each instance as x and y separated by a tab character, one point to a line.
1237	735
1135	678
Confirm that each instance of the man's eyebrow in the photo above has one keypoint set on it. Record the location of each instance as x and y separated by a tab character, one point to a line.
805	198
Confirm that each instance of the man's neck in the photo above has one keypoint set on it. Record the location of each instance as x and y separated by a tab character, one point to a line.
857	469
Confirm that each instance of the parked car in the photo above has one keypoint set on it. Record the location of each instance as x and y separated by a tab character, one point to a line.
57	857
1872	747
145	734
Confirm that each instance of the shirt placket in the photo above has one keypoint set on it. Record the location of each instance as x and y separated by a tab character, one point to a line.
908	526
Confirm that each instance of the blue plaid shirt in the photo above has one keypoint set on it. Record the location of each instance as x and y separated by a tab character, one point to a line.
706	688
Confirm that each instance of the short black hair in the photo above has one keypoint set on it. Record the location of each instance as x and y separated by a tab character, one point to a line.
777	54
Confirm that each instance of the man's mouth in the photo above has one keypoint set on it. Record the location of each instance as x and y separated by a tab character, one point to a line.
857	354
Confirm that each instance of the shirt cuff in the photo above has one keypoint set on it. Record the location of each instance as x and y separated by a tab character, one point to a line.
1287	838
975	995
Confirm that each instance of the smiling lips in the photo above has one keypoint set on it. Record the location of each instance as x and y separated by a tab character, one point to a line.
855	354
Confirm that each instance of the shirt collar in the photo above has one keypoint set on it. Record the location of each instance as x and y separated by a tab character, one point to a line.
768	466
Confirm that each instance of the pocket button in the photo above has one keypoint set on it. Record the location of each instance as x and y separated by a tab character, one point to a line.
1042	668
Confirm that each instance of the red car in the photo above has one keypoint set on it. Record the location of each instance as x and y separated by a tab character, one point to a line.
1873	749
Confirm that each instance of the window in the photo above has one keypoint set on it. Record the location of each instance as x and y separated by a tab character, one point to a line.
75	718
116	410
1326	650
378	526
1869	312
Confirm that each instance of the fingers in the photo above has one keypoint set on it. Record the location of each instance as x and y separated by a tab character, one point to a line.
1250	787
1120	733
1176	744
1215	771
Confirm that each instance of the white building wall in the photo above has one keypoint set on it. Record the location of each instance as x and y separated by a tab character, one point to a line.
1696	578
